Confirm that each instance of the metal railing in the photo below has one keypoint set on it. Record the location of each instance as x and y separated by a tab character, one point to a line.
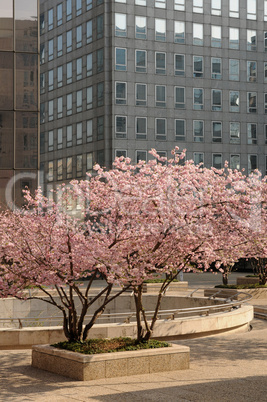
229	303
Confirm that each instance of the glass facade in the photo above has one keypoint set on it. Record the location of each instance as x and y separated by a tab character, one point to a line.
19	99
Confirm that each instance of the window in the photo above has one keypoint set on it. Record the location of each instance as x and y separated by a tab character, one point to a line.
234	133
217	161
252	163
140	94
235	162
42	23
140	61
140	2
216	36
234	8
120	126
198	6
179	97
69	72
216	131
79	101
160	30
120	1
50	19
50	80
160	62
59	169
89	31
79	133
79	68
265	10
140	27
59	138
120	152
50	110
141	156
69	9
120	93
216	68
100	60
69	167
179	65
233	38
69	104
89	130
99	26
78	7
100	94
160	3
89	162
161	129
198	66
179	5
216	7
265	71
59	46
179	130
234	70
265	103
89	97
50	49
79	36
198	98
50	140
179	32
251	39
140	128
50	171
198	34
42	83
42	113
42	53
89	64
234	101
60	107
59	14
120	25
251	71
160	92
79	165
252	102
100	157
216	99
120	59
69	136
59	76
89	4
251	9
198	129
69	41
198	158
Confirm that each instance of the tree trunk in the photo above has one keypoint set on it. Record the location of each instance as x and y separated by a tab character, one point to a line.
138	308
225	278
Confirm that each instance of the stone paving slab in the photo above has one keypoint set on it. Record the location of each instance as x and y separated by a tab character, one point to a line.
229	368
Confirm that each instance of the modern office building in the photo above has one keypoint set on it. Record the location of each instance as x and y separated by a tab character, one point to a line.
19	99
119	77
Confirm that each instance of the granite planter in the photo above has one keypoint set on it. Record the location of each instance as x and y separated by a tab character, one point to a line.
107	365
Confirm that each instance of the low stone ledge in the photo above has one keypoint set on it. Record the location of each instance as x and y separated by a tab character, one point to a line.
173	287
257	293
244	280
107	365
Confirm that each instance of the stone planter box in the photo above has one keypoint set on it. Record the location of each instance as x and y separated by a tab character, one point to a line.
259	293
173	287
107	365
243	280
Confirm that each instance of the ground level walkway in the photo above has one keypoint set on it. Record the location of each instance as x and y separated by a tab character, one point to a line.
230	368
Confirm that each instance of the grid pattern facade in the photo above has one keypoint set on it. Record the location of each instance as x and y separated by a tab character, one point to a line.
19	101
121	77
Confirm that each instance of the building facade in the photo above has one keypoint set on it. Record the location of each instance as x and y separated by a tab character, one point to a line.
19	99
119	77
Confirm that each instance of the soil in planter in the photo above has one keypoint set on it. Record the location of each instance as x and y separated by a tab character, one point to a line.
93	346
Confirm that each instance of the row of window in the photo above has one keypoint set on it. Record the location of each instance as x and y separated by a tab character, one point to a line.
67	10
70	167
161	97
180	67
198	157
55	46
197	6
162	29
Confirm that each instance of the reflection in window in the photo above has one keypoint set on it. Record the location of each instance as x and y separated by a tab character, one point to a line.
69	9
140	61
251	9
233	38
160	63
89	97
59	14
50	19
59	46
140	94
198	158
120	59
69	136
120	127
198	129
252	163
234	8
89	130
140	128
234	101
216	36
78	36
216	68
6	140
79	101
198	6
198	99
69	72
120	93
198	66
79	133
69	167
59	107
120	25
59	76
160	30
235	162
216	131
100	60
252	133
100	26
251	39
6	81
89	64
216	7
100	94
69	104
198	34
179	5
79	68
26	25
160	92
78	7
89	162
234	70
216	99
234	133
179	64
179	130
69	41
179	97
89	31
50	49
140	27
179	32
141	156
251	71
217	161
161	129
252	102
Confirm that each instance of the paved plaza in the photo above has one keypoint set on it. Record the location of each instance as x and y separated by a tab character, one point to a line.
230	367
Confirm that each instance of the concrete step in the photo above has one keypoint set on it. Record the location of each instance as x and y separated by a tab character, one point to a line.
260	312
